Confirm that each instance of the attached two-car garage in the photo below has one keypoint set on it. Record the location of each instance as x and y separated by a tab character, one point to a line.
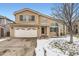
25	32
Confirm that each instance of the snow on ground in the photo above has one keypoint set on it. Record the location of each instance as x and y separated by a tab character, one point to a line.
40	47
3	39
44	50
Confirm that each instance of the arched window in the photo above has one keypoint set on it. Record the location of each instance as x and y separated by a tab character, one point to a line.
54	27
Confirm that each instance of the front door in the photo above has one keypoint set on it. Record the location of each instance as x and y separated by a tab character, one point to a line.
43	30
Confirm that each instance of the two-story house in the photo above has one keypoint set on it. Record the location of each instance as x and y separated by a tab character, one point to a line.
4	26
30	23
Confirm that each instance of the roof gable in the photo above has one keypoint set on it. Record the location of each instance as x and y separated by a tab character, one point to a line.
28	9
36	12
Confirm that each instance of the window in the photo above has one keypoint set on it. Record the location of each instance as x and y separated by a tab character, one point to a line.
23	28
21	17
54	24
53	29
17	28
24	17
27	18
28	28
32	18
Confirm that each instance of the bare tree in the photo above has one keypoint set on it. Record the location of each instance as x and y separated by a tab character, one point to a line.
69	14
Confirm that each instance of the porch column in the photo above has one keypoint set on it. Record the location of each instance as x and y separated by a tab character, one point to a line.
59	31
62	30
38	32
65	30
48	31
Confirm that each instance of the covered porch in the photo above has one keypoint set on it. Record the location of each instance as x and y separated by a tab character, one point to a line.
43	32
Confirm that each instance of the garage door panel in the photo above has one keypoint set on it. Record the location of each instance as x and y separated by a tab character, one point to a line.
25	32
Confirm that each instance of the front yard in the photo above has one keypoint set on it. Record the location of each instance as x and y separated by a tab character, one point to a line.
57	47
45	47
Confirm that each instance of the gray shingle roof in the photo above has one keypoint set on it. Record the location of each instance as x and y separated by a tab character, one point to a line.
4	17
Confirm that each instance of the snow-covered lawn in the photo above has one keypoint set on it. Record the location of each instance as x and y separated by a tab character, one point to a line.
46	47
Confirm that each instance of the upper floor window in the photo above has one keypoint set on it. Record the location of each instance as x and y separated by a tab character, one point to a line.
54	24
21	17
27	18
32	18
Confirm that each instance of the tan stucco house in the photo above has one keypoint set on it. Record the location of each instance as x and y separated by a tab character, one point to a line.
30	23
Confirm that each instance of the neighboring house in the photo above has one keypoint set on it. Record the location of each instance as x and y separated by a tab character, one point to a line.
4	26
30	23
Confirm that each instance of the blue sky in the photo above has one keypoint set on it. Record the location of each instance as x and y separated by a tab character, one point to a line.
7	9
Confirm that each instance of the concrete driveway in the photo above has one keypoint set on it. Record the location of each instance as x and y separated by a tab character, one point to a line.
17	47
